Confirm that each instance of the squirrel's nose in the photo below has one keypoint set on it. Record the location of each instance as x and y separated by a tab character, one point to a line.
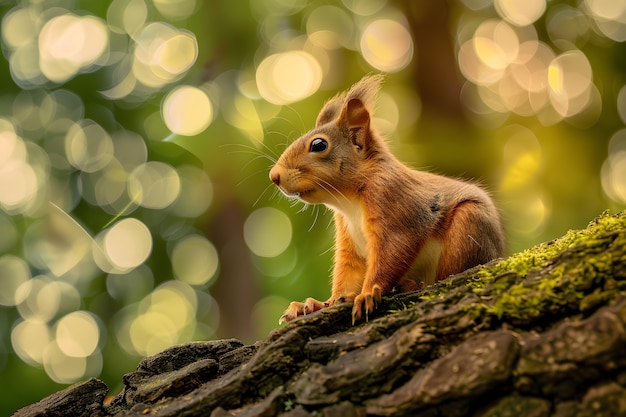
275	176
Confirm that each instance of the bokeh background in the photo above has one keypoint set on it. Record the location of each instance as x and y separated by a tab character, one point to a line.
136	137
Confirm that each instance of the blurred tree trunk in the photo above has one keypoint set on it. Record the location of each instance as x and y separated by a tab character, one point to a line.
438	81
235	290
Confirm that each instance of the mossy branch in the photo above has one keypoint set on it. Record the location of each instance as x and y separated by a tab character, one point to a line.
540	333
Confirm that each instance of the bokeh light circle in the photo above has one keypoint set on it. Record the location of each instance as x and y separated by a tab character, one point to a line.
88	146
288	77
154	185
69	43
13	273
127	244
267	232
187	111
30	339
77	334
387	45
195	260
520	13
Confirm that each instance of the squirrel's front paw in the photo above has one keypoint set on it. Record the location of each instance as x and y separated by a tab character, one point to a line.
366	302
340	299
297	309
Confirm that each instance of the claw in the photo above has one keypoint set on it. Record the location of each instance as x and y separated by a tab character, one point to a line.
346	298
283	319
366	302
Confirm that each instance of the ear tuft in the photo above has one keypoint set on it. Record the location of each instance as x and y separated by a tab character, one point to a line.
365	91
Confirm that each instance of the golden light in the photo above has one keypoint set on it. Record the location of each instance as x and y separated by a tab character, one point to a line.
621	103
175	9
127	16
29	339
520	13
387	45
613	173
264	222
14	272
165	317
514	72
19	28
58	243
69	43
178	53
19	182
61	368
248	114
187	111
39	298
570	81
154	185
110	187
607	9
151	332
88	146
127	244
77	334
496	44
288	77
194	260
365	7
522	157
162	54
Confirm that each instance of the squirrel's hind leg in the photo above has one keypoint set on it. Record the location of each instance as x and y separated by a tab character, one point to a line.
472	236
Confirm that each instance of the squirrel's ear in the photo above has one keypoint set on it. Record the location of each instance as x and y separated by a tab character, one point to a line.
358	106
358	119
329	112
366	90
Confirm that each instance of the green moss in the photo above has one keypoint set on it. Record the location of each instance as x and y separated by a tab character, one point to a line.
513	292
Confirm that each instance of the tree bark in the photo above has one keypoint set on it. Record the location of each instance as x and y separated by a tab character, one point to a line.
541	333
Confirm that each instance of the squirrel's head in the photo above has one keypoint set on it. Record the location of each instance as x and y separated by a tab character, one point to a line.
322	165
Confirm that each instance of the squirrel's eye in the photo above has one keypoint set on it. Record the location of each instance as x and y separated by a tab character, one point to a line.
318	145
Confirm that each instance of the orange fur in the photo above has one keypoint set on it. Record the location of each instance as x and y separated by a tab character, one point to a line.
392	224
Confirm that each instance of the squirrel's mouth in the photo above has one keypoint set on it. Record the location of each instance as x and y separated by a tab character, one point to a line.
296	195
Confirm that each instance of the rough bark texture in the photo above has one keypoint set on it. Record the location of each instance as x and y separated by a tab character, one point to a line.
541	333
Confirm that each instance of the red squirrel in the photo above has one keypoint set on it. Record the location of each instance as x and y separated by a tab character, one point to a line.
395	227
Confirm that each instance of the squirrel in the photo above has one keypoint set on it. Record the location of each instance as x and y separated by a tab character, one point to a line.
395	227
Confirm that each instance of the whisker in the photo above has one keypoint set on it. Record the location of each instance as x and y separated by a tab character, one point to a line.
316	211
267	187
251	150
290	107
328	187
251	175
304	208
